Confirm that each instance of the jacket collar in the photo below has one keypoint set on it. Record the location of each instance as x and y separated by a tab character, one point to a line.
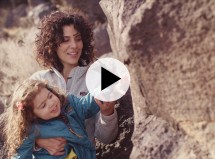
78	71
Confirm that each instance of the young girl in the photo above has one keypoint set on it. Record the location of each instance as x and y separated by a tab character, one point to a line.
40	111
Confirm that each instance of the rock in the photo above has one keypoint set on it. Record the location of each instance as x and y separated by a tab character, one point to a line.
90	7
34	3
41	10
12	3
2	149
1	106
102	43
172	65
13	18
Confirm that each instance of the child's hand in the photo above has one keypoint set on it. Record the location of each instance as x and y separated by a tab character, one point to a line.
106	108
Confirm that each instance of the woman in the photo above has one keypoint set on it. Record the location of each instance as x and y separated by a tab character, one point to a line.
64	47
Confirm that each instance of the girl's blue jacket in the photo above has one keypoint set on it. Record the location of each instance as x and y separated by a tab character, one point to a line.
76	110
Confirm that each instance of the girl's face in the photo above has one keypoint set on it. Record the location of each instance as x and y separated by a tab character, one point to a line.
70	49
46	105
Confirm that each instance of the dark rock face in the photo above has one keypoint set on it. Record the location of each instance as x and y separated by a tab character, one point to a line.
170	46
12	3
90	7
1	106
102	44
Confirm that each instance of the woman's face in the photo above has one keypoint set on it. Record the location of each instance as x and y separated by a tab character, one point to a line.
46	105
70	49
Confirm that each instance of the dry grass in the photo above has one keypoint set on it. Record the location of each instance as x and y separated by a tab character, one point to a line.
17	61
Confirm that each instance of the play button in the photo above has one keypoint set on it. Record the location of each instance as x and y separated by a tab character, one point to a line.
107	79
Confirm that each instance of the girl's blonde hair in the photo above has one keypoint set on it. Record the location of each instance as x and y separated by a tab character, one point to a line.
20	119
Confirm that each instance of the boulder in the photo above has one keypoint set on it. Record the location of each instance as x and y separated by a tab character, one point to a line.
169	49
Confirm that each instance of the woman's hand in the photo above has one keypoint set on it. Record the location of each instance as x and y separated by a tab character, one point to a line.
106	108
55	146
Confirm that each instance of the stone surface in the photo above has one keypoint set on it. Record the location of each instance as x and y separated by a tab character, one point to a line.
91	8
169	46
102	41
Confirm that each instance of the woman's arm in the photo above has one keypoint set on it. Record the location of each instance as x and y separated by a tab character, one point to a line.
54	146
106	124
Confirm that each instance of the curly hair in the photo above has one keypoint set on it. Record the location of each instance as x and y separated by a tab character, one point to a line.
19	121
51	36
